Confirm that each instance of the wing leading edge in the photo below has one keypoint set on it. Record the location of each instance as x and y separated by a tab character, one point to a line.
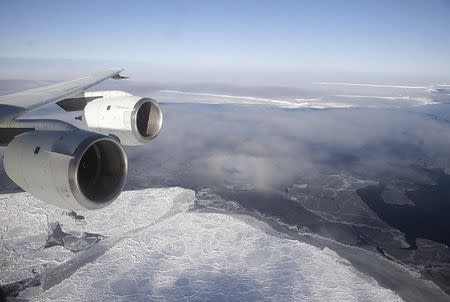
34	98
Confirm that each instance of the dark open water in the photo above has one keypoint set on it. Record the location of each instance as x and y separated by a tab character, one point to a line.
429	218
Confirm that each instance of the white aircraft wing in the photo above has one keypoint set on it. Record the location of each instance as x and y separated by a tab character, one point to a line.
70	167
17	103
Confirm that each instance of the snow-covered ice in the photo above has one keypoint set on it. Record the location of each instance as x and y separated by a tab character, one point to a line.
318	102
154	247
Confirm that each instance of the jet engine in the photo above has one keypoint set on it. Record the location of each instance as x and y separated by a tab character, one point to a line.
76	170
133	120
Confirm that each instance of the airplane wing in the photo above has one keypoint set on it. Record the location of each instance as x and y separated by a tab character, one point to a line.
13	105
67	166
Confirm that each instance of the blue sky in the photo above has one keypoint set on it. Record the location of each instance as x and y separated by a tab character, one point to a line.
213	38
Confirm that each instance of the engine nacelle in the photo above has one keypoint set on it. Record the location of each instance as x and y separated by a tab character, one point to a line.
76	170
133	120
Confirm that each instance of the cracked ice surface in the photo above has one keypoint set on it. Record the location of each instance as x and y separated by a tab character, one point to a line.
155	249
24	223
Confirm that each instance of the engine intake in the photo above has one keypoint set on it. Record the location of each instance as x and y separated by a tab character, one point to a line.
77	170
148	118
133	120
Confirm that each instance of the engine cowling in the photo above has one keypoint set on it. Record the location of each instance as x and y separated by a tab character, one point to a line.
133	120
76	170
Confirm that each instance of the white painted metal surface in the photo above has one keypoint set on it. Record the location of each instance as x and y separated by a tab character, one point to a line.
48	165
37	97
120	114
63	165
